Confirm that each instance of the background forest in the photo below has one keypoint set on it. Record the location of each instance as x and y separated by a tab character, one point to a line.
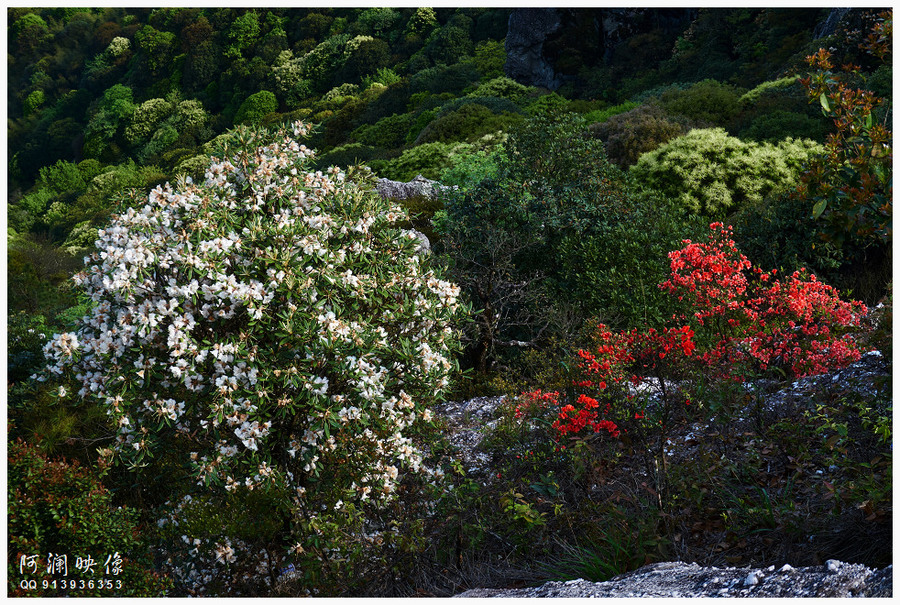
568	192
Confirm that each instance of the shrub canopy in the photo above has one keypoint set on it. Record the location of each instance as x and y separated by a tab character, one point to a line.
272	325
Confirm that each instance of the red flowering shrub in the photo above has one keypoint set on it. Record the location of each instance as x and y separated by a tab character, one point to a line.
610	372
744	319
753	320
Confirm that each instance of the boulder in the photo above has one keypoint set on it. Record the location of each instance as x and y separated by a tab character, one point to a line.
417	187
676	579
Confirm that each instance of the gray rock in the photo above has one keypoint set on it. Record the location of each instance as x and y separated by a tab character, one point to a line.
835	579
418	187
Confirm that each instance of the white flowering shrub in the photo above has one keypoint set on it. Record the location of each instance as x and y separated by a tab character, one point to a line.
274	324
118	47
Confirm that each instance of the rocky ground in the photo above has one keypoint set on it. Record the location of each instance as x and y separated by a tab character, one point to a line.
834	579
469	421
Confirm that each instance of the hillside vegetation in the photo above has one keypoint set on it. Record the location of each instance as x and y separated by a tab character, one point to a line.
232	347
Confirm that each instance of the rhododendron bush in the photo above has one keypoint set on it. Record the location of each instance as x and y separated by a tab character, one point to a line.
272	323
742	323
752	320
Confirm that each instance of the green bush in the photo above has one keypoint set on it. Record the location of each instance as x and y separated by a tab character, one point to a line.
61	510
778	125
602	115
422	22
318	65
511	238
444	79
753	96
490	58
350	154
377	21
503	87
472	168
387	133
385	76
713	174
288	77
781	234
706	101
467	123
629	135
451	43
33	102
547	105
428	159
146	119
256	107
157	48
366	56
242	34
615	270
497	105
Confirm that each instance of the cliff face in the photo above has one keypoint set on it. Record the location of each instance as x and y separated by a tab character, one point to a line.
526	62
547	46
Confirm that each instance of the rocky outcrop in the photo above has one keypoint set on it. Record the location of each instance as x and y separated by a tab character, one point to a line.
418	187
547	46
529	29
834	579
829	25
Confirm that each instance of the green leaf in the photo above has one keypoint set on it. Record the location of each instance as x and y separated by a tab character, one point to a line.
868	120
819	208
824	100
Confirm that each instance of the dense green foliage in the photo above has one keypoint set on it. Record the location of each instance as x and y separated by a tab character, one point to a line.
61	508
630	134
713	174
561	210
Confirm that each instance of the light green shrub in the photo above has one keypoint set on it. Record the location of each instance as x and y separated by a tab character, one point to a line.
422	22
242	34
490	58
428	159
472	168
752	96
547	105
384	76
602	115
712	173
503	87
287	76
256	107
194	166
33	102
